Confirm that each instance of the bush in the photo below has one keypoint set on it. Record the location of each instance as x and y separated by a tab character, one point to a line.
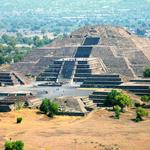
117	110
19	119
118	98
14	145
110	99
49	108
146	72
123	101
145	98
140	114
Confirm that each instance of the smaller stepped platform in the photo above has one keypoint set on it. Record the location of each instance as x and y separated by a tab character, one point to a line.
11	79
71	106
102	81
99	97
13	102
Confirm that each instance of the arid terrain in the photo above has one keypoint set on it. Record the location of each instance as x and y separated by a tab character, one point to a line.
97	131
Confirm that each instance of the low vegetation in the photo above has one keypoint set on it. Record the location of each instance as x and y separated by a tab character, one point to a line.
19	120
145	98
141	113
49	108
117	110
118	98
14	145
146	72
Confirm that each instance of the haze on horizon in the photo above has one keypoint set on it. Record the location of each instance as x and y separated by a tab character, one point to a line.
65	15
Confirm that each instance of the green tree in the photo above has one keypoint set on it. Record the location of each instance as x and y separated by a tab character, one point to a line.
118	98
2	60
9	40
110	99
123	101
49	108
37	41
45	105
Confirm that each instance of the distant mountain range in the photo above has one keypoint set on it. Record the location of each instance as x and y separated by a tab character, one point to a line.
66	15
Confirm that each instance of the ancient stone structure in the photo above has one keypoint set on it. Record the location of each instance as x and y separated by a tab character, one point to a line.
115	50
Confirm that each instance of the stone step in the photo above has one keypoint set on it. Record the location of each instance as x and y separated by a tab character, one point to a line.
103	82
101	93
99	100
97	96
134	87
83	71
98	86
102	79
6	80
49	74
142	94
78	79
7	83
140	80
5	77
46	79
52	70
100	104
139	90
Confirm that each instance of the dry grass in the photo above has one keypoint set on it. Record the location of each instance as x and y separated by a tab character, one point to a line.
97	131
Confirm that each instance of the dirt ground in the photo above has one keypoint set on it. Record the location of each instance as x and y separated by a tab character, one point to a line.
97	131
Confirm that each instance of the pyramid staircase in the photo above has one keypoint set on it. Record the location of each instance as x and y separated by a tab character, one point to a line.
85	68
51	73
99	97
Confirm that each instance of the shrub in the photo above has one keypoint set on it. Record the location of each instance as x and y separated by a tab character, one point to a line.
146	72
118	98
117	110
123	101
49	108
137	104
19	119
140	114
45	106
14	145
110	99
145	98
